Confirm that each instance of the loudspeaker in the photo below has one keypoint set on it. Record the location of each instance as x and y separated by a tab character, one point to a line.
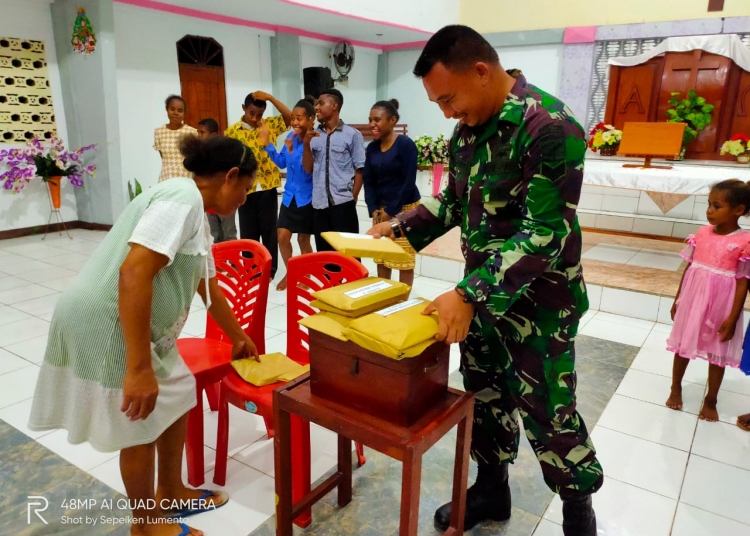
317	79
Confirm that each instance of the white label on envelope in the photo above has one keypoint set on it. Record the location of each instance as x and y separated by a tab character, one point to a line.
368	289
357	236
399	307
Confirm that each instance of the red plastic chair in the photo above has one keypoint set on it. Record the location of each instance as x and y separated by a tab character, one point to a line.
316	271
243	271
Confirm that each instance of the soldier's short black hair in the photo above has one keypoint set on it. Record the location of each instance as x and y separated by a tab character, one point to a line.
457	47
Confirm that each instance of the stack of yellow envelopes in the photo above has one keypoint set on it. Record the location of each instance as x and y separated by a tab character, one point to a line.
398	331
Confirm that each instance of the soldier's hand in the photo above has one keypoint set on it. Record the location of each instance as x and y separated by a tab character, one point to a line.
382	229
454	316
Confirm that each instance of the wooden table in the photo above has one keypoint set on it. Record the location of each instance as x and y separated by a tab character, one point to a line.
406	444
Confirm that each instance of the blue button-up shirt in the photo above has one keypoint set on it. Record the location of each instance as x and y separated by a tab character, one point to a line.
337	157
299	183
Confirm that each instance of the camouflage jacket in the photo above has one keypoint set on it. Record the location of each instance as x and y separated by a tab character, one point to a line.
513	187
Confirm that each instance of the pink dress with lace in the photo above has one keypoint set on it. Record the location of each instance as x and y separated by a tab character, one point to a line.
707	296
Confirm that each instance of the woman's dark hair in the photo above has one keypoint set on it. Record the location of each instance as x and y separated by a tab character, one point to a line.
217	154
457	48
736	192
307	104
174	97
390	107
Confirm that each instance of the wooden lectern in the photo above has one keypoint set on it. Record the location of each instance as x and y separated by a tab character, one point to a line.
651	140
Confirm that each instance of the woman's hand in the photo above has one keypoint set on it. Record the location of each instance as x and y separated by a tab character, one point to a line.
264	135
726	331
309	135
244	347
139	393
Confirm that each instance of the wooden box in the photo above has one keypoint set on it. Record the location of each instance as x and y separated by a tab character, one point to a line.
397	391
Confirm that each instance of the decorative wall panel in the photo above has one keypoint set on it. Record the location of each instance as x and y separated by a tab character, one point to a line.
25	96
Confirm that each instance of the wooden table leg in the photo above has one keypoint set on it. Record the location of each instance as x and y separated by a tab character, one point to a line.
460	475
345	469
282	444
411	478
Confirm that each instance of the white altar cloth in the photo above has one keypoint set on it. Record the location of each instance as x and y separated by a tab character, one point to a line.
681	179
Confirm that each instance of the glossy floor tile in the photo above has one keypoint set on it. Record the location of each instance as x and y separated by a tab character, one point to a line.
666	471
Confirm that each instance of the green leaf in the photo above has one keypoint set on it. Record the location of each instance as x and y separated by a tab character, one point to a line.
131	194
138	189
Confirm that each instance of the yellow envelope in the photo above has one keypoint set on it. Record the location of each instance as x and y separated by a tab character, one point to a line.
395	329
379	347
272	368
328	323
362	296
357	245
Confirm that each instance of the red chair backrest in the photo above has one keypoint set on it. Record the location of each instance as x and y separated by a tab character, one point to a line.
243	271
316	271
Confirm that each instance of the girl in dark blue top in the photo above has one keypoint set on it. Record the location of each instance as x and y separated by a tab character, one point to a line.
390	180
295	215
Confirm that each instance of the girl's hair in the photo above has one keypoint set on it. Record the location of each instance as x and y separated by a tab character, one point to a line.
307	104
216	154
390	107
737	192
174	97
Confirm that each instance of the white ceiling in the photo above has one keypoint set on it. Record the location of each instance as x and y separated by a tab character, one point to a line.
328	26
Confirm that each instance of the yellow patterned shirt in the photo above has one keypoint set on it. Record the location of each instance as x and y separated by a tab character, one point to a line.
268	173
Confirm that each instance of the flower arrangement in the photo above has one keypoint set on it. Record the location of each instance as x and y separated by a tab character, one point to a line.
38	160
424	151
738	145
605	138
441	150
432	151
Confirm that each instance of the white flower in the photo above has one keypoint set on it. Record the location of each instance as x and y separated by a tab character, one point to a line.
606	136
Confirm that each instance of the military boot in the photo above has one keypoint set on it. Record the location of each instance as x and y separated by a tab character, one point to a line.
578	517
487	499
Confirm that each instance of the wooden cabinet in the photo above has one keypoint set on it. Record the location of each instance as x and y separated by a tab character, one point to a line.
642	92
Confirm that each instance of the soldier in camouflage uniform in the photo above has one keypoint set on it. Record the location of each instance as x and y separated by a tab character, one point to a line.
516	170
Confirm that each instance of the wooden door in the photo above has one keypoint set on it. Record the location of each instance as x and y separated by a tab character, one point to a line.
633	94
706	73
204	93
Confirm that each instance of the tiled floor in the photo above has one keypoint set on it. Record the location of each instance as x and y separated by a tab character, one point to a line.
666	471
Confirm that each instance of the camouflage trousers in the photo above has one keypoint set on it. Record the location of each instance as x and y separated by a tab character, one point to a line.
515	370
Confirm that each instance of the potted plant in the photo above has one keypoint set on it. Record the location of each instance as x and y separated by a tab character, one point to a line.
739	146
605	139
693	111
49	162
134	192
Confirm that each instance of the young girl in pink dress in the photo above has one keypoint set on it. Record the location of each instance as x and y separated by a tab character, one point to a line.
707	312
